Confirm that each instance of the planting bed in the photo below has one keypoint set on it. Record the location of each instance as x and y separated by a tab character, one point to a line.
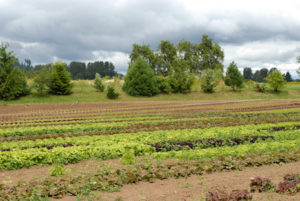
196	136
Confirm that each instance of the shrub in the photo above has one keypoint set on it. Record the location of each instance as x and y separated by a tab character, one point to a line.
163	84
275	80
140	79
12	80
111	94
208	81
260	87
41	81
233	77
60	80
98	85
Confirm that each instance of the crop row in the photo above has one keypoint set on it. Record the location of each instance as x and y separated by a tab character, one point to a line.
289	132
167	125
109	178
107	149
6	132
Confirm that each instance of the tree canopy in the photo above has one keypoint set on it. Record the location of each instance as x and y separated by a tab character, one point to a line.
12	80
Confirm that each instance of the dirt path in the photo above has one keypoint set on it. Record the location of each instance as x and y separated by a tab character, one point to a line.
194	188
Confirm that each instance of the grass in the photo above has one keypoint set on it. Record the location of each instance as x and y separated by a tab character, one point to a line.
84	92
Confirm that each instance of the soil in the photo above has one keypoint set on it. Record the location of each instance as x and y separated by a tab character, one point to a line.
195	188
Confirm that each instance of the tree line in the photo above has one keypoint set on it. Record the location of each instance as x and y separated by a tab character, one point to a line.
260	75
79	70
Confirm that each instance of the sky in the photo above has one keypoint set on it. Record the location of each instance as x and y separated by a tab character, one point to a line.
256	33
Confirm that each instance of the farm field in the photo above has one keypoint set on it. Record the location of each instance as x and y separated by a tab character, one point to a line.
111	146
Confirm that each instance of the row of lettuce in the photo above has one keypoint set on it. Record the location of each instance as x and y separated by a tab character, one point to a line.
14	156
79	127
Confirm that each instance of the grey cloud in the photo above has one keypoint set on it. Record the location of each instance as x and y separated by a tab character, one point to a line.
73	30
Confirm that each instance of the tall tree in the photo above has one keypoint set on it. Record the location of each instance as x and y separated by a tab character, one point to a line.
211	55
233	77
12	80
77	70
143	51
168	54
180	78
247	73
288	77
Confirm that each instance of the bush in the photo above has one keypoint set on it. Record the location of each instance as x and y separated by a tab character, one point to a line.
140	79
12	80
98	85
260	87
163	84
60	80
208	81
111	94
233	77
41	81
275	80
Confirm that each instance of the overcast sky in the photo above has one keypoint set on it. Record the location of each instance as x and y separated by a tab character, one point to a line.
256	33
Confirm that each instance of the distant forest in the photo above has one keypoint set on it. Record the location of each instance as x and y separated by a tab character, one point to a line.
78	70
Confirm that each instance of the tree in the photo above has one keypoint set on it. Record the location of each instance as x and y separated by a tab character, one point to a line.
272	70
233	77
288	77
98	85
247	73
275	80
77	70
41	81
180	78
211	55
167	54
60	80
208	81
143	51
12	80
140	79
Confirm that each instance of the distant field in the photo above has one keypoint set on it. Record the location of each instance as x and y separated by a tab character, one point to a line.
84	92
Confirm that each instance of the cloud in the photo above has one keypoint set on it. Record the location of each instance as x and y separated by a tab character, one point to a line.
253	33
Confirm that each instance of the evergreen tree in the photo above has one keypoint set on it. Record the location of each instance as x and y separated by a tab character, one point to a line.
233	77
288	77
60	80
140	79
247	73
12	80
98	83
